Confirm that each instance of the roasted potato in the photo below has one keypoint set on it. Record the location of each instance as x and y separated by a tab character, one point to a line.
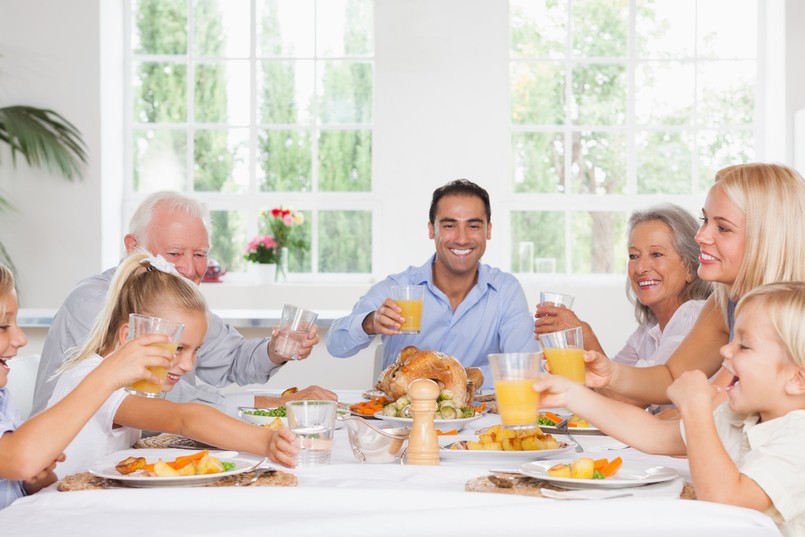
498	438
161	469
130	464
209	465
289	391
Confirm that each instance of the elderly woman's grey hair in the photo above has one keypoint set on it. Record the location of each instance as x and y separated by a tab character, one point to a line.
175	201
683	228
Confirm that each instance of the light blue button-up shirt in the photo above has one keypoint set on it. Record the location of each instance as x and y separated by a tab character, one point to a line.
9	421
494	317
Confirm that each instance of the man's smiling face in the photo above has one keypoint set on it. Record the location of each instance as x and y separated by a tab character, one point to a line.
460	231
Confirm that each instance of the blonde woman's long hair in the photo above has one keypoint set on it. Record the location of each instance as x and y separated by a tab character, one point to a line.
772	197
784	305
138	287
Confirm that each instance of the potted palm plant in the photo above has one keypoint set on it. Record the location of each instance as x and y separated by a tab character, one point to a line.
44	138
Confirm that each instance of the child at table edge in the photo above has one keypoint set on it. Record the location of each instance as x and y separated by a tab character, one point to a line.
748	452
29	451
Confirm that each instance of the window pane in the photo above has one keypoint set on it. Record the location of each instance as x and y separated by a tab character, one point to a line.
345	92
222	92
664	93
726	93
221	28
345	161
345	241
538	28
665	28
718	149
221	160
599	28
160	26
539	161
160	94
599	163
538	93
284	161
345	27
664	162
546	229
733	36
285	92
159	159
599	242
599	94
285	27
229	239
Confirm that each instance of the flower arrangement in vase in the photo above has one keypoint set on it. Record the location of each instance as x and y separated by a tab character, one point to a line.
262	253
285	226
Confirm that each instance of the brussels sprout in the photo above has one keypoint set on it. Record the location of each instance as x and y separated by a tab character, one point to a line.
446	403
468	411
444	395
390	410
402	402
448	413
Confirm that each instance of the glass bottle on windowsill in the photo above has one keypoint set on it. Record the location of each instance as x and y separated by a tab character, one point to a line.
282	269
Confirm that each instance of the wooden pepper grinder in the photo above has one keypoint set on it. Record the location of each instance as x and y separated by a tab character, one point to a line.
423	445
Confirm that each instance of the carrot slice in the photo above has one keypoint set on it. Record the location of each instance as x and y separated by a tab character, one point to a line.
184	460
600	463
553	417
612	467
446	433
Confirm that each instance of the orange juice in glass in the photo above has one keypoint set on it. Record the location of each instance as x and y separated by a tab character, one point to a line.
141	325
564	351
410	298
514	374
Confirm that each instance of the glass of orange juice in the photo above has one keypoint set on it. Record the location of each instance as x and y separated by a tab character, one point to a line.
141	325
564	351
514	374
410	298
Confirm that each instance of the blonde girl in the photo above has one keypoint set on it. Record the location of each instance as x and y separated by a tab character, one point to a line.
30	451
751	234
151	286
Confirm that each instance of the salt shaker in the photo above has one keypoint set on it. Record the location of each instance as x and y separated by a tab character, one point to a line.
423	445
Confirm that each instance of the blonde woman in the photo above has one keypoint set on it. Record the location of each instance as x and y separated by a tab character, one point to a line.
751	234
151	286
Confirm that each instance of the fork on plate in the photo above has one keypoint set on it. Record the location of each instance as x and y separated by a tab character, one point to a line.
563	429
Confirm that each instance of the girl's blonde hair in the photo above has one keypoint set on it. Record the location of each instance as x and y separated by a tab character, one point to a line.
138	287
772	197
6	287
784	305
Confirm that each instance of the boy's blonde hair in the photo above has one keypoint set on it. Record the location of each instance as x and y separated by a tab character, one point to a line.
784	305
772	197
6	287
138	287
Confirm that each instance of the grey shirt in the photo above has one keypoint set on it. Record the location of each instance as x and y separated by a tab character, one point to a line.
225	356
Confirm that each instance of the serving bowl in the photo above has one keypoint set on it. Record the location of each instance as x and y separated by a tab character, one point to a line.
373	444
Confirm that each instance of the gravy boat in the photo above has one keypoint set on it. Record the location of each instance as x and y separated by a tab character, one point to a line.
372	444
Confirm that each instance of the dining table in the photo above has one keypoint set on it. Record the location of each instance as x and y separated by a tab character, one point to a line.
350	498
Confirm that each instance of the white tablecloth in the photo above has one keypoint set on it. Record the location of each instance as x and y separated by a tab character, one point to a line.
347	498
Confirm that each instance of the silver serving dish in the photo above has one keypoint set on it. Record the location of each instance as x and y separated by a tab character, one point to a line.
372	444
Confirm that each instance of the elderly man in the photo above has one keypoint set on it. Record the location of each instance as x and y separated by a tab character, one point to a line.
471	309
177	228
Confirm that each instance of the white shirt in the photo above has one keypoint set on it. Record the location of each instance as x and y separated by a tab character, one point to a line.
97	438
770	454
10	489
648	345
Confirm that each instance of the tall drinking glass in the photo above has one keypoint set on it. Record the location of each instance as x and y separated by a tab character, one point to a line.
410	298
141	325
514	374
564	351
295	323
555	299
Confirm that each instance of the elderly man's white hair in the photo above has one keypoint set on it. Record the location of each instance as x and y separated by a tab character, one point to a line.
175	201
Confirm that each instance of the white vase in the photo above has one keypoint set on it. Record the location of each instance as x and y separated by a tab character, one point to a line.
263	273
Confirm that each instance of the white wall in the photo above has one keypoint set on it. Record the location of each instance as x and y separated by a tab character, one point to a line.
53	54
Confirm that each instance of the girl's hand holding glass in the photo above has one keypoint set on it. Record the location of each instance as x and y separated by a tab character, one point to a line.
131	362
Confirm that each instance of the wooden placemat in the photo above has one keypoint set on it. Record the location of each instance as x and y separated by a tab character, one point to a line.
166	441
529	486
87	481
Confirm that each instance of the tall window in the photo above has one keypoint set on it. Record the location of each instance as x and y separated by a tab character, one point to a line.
255	104
617	104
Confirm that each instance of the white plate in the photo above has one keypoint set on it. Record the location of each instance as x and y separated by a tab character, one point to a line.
481	455
442	425
258	420
105	467
630	474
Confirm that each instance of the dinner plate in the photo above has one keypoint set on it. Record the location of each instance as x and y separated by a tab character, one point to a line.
442	425
105	467
630	474
495	456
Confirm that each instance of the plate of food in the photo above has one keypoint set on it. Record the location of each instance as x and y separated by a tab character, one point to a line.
581	473
172	467
548	421
264	417
497	444
441	424
368	409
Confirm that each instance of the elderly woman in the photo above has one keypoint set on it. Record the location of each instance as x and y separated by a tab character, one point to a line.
663	285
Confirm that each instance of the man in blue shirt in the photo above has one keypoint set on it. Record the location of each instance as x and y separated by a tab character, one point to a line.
470	309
